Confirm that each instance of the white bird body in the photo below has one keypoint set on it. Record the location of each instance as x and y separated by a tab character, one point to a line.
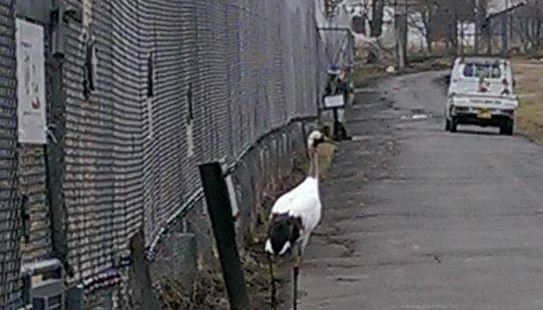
296	213
304	202
294	216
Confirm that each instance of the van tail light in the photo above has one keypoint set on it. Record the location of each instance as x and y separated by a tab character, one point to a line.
505	83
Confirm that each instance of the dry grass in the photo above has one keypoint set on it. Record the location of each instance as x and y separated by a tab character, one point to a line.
362	76
326	156
529	79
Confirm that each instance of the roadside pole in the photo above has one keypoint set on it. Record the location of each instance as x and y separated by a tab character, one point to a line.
400	31
477	25
220	213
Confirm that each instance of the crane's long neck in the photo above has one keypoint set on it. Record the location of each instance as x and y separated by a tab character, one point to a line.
314	163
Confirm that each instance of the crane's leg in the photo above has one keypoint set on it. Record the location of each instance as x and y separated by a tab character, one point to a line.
272	282
296	273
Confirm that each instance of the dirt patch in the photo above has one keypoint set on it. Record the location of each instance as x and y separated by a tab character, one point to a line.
529	87
365	74
209	292
422	64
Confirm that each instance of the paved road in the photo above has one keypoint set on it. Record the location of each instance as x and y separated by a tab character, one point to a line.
418	218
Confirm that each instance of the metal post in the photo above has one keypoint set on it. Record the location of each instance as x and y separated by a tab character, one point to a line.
462	38
54	152
336	123
75	298
477	25
455	30
220	212
396	34
489	37
400	21
405	33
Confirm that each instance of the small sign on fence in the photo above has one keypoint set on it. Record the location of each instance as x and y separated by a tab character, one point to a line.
30	82
334	102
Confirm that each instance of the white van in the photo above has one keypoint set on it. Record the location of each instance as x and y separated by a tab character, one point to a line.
481	92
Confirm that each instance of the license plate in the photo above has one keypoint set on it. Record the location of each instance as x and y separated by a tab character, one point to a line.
484	114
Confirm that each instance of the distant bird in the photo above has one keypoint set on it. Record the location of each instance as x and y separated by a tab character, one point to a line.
294	216
390	69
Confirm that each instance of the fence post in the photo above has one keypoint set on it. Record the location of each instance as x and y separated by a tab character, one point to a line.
54	150
220	212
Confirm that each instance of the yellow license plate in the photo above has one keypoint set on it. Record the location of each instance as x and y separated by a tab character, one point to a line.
484	114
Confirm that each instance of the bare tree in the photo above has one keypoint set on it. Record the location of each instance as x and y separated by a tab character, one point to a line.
531	29
481	9
378	7
442	18
428	11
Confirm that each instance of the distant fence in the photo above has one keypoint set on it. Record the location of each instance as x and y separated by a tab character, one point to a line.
144	92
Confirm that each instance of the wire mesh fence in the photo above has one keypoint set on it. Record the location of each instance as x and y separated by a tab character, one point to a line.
146	91
10	260
155	87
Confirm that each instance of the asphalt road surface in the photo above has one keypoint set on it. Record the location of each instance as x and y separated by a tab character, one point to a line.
418	218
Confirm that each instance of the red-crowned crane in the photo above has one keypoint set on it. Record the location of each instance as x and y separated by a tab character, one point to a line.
294	216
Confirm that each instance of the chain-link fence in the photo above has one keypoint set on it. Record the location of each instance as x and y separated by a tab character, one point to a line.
146	90
517	30
103	164
155	87
9	203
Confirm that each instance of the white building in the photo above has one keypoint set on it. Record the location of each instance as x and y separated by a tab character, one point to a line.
500	5
335	31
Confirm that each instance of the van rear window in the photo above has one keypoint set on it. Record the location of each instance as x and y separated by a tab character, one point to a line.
480	70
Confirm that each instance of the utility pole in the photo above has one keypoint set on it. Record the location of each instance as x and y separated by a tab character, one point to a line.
405	30
396	34
509	4
477	12
504	30
454	30
400	30
462	38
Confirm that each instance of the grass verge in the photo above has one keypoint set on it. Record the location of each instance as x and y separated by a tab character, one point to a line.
529	87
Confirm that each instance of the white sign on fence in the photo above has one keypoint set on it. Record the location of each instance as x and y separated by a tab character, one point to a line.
30	83
337	101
